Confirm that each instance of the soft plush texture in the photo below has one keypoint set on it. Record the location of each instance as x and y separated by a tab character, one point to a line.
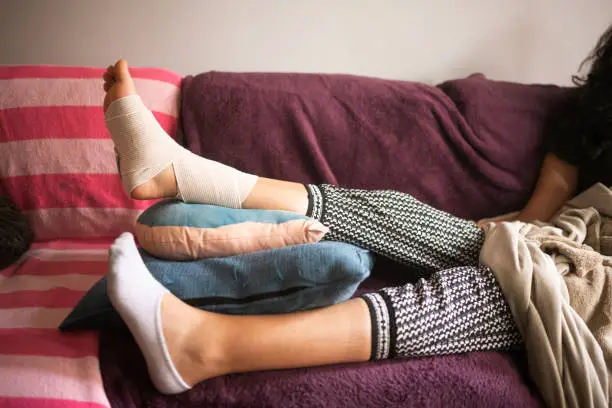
471	146
559	289
57	160
492	379
177	231
279	280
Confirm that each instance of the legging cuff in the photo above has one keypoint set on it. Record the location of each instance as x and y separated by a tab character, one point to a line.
383	325
315	202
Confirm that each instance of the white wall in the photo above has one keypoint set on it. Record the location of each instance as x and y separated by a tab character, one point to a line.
429	40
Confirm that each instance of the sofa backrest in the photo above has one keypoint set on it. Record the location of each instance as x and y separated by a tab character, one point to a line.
470	146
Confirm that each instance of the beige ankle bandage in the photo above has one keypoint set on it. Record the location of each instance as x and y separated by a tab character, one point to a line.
145	150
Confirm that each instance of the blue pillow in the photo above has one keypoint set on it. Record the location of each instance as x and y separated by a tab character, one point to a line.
280	280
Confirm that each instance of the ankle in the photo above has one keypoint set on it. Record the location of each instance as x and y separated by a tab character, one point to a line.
163	185
203	353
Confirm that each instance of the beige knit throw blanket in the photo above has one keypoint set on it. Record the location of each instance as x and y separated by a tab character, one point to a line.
557	279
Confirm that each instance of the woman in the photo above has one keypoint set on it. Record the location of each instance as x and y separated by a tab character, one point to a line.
579	138
459	308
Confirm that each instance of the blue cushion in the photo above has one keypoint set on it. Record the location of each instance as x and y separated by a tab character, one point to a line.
177	213
279	280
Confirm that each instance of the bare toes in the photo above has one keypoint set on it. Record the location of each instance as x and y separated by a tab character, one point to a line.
108	77
121	70
118	82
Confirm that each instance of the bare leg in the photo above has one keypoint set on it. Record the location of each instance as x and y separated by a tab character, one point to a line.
218	344
269	194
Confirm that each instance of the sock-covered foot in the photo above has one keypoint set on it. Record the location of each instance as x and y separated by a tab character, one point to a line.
137	296
145	150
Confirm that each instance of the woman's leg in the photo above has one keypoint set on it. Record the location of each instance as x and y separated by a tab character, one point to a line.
454	311
389	223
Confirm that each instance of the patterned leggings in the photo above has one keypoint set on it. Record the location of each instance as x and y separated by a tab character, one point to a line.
458	308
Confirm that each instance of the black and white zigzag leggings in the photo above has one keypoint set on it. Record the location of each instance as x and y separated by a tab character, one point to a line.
397	226
453	311
458	308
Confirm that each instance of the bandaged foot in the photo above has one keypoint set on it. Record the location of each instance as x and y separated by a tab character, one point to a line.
146	151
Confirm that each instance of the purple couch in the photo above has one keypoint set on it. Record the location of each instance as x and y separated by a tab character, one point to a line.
471	147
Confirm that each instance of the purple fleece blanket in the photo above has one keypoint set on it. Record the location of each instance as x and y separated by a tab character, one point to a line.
471	147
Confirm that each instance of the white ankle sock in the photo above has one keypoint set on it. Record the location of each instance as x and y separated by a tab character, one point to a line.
145	149
137	297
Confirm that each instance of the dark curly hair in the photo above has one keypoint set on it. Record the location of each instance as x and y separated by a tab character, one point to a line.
587	116
15	233
599	62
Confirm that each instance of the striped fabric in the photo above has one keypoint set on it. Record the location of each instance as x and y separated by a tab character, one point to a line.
39	366
56	157
57	163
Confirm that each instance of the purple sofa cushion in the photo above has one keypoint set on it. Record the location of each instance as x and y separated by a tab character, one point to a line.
470	380
471	146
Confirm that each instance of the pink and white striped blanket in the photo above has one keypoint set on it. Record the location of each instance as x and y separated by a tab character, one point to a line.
39	366
57	160
57	163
